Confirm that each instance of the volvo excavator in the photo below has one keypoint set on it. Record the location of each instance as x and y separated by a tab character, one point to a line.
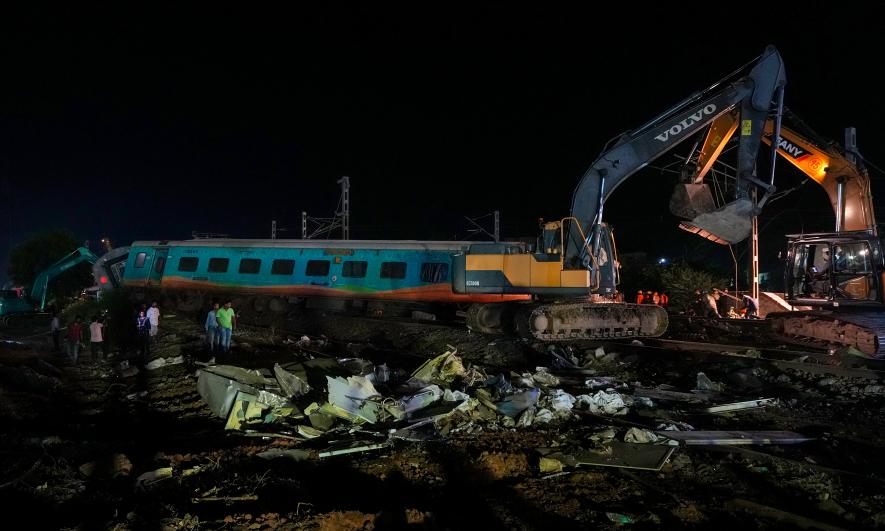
840	275
572	271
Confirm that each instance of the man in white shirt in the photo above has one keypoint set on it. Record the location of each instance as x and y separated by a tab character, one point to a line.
153	314
96	338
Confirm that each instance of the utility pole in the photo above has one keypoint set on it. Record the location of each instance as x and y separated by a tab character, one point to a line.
303	225
273	229
344	212
497	226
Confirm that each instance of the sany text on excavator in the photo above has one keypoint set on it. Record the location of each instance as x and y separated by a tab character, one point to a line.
840	274
572	273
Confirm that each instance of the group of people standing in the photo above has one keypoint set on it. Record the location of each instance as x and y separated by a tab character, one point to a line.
219	326
76	333
652	297
147	326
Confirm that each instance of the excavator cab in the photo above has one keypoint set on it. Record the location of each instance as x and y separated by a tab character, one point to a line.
834	269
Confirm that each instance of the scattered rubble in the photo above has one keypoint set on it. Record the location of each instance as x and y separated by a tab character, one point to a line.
585	435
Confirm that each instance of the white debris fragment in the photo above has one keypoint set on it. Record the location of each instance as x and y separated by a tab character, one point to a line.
638	435
606	402
454	396
561	401
162	362
543	415
544	378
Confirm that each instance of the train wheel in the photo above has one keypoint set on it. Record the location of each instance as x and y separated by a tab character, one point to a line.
487	318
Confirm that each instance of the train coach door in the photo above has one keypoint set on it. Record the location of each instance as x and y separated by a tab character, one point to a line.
155	275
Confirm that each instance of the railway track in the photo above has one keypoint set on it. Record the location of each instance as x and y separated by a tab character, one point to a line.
816	362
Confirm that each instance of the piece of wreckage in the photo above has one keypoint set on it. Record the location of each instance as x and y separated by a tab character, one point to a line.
333	407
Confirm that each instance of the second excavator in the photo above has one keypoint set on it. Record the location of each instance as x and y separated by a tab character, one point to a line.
839	275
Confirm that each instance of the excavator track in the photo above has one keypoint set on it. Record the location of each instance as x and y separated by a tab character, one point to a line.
557	322
864	331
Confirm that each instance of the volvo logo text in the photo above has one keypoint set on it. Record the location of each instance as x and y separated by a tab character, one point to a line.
677	129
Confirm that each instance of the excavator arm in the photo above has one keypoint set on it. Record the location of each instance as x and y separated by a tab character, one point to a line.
750	95
846	184
41	283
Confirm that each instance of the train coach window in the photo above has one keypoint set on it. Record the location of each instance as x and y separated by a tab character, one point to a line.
282	267
393	270
435	272
188	263
139	259
218	265
317	268
354	269
250	266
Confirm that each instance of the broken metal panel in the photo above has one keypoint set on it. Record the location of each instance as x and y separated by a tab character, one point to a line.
355	396
218	386
219	392
619	455
352	450
692	438
245	407
291	384
738	406
678	396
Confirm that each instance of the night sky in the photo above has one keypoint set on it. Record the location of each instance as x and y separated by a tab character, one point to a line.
150	125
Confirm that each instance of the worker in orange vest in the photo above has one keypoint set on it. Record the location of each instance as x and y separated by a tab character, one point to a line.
656	299
665	300
639	297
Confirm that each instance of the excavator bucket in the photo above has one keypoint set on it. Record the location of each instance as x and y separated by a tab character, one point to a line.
730	224
690	200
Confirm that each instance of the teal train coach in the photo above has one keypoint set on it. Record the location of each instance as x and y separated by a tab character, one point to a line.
279	273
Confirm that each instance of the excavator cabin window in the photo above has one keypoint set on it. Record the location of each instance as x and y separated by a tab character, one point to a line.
837	271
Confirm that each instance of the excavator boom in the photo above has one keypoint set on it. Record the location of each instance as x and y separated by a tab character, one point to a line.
750	95
41	283
573	271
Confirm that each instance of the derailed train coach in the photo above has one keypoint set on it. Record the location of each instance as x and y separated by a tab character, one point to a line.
275	276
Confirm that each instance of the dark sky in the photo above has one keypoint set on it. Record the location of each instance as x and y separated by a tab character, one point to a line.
152	124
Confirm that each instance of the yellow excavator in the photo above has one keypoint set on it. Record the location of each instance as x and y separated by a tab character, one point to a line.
572	271
840	274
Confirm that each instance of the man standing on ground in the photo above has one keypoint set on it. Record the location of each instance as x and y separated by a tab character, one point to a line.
143	327
153	314
96	338
75	336
712	299
227	320
212	327
55	328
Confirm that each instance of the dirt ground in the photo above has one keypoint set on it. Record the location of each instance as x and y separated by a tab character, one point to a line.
78	441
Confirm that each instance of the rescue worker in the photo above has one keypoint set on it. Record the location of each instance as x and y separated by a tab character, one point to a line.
665	300
227	321
96	338
639	297
712	299
153	313
143	328
656	299
213	335
752	307
75	336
